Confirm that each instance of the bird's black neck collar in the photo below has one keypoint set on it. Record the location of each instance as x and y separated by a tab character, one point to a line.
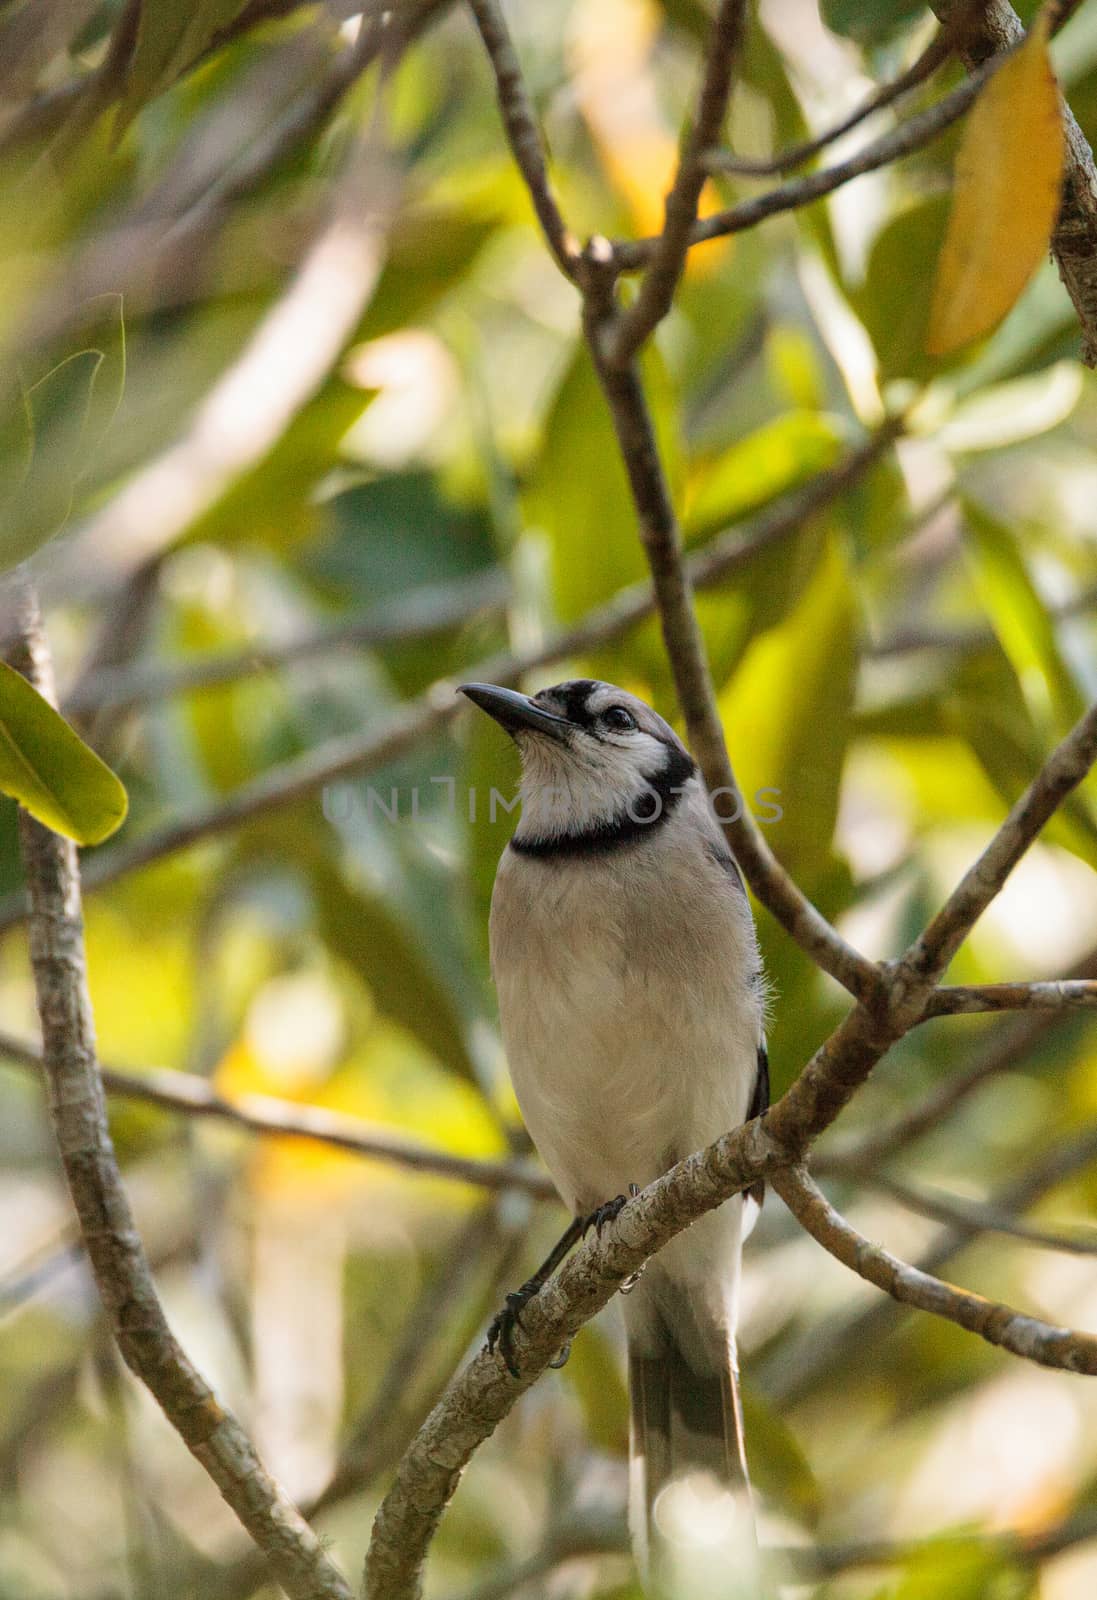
642	818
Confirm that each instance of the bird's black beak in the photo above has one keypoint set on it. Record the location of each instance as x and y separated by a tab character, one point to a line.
514	711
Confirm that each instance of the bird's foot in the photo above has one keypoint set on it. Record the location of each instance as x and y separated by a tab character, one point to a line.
502	1325
608	1211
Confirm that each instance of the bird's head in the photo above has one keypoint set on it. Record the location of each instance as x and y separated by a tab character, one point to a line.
598	765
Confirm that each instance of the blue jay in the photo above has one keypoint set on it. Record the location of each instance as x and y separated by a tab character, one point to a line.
632	1005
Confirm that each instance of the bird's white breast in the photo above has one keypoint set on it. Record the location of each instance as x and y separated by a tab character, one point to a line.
629	1015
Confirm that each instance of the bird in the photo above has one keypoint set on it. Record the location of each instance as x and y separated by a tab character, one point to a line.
632	1004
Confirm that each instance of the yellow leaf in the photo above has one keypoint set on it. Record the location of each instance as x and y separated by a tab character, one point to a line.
1008	176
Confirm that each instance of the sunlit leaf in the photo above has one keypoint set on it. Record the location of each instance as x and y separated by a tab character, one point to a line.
768	462
1008	176
962	1570
50	770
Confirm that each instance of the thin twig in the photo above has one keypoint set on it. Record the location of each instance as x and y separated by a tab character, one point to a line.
260	1113
1063	1348
401	620
823	1352
1004	1048
1066	995
957	1211
623	336
523	132
935	54
909	136
121	1269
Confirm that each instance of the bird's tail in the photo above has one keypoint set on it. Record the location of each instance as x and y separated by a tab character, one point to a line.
684	1424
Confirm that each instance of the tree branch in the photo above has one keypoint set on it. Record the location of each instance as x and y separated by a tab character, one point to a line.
956	1211
624	335
1003	1050
259	1113
909	136
114	1249
1063	771
401	620
520	121
823	1352
998	1324
1063	995
935	54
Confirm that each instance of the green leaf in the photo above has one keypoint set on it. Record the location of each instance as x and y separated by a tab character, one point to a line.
769	462
869	21
50	432
787	714
778	1465
398	532
593	1373
1021	621
894	302
955	1569
578	492
49	769
361	927
274	502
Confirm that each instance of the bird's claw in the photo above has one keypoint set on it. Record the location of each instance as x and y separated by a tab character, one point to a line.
609	1210
502	1326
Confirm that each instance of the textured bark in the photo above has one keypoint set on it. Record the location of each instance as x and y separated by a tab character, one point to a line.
79	1117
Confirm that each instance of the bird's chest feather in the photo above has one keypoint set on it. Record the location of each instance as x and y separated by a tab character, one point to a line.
628	1018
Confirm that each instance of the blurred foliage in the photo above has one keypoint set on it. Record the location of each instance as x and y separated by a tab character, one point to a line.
890	675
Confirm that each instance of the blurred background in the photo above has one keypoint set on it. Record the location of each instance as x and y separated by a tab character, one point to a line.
296	423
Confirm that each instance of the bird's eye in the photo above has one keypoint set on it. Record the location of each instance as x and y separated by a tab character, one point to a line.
618	718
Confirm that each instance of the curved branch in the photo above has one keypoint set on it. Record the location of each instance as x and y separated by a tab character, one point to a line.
1049	1346
121	1269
